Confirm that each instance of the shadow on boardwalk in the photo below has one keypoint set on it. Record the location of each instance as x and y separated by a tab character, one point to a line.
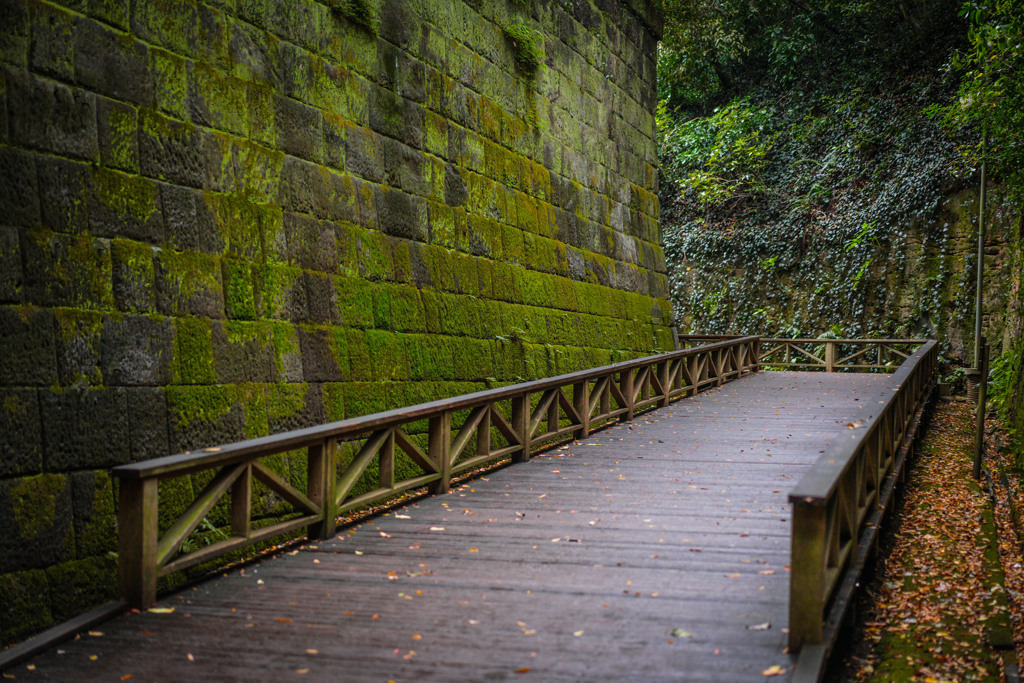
656	549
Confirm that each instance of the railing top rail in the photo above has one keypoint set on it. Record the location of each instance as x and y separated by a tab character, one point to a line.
276	443
818	484
808	340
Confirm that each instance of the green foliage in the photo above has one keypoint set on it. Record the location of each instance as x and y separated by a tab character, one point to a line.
359	12
526	41
991	95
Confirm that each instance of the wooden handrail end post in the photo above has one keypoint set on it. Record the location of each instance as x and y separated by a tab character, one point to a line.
137	540
807	575
320	487
439	440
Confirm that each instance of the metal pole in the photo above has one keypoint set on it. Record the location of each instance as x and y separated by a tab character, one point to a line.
978	304
979	433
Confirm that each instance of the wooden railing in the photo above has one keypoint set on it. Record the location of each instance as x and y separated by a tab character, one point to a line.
837	355
364	460
838	504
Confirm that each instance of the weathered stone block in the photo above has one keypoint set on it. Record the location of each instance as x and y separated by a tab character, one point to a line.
24	600
147	423
52	48
169	73
202	416
311	243
173	24
51	116
67	270
118	125
19	197
281	292
189	283
14	40
11	276
300	130
193	352
124	205
170	150
361	303
85	427
113	12
94	513
134	276
84	584
401	214
240	301
387	353
35	522
324	353
303	187
365	398
242	352
112	64
431	357
78	346
136	350
287	353
21	450
362	153
190	221
294	406
342	202
321	298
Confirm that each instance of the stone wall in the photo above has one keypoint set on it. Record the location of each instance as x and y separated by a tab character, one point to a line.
225	218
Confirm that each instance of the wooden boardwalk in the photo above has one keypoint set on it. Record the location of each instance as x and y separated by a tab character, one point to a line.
655	550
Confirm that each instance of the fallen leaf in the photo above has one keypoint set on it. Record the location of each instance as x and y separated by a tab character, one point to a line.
680	633
95	633
437	528
284	620
190	657
764	626
523	670
161	610
773	671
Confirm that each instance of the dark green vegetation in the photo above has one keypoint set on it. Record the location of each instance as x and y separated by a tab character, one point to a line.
812	186
222	220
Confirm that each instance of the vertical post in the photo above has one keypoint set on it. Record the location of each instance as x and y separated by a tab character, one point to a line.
521	426
979	285
720	367
693	365
386	462
483	433
979	429
830	356
554	418
439	447
807	576
664	373
581	402
241	503
756	361
626	387
137	540
320	460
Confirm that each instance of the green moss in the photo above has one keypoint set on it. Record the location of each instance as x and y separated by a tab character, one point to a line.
365	398
275	284
334	400
170	82
284	400
362	13
83	584
34	502
431	356
407	313
193	351
201	403
362	304
26	606
526	42
239	290
79	331
387	354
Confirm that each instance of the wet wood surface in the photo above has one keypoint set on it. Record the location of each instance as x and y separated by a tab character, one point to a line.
655	550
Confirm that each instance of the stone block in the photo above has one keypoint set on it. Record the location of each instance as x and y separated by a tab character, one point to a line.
84	427
77	334
82	584
407	313
311	243
173	24
19	196
14	39
431	356
24	596
215	99
27	338
111	64
52	47
360	303
243	352
118	125
364	398
324	353
94	511
251	50
280	292
240	301
294	406
113	12
64	270
193	352
287	353
170	150
189	220
11	276
203	416
303	187
51	116
124	205
136	350
169	73
360	364
321	298
400	214
362	153
35	522
134	276
147	423
300	129
388	356
342	202
64	199
21	435
189	283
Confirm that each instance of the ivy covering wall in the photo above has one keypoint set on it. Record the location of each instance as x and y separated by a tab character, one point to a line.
223	219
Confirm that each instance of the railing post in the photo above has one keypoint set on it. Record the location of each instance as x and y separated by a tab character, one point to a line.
830	356
137	539
241	504
439	446
320	460
807	578
664	373
581	402
756	362
626	387
521	426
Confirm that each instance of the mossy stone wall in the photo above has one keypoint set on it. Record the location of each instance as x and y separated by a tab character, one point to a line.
224	218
